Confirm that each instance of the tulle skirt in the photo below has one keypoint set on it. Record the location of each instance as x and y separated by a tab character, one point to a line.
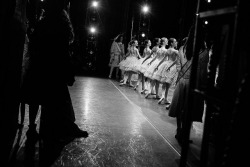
151	69
138	65
144	66
128	64
164	74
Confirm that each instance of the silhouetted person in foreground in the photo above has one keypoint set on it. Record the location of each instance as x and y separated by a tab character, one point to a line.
12	35
51	70
180	97
50	74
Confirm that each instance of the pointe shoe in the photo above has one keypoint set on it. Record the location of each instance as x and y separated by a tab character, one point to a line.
109	76
135	87
130	85
166	101
146	96
159	102
168	107
121	84
121	81
143	91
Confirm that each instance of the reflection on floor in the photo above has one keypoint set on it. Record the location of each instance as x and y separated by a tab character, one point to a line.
125	129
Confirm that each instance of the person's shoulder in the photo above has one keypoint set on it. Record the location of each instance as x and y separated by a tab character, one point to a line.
173	50
176	51
155	48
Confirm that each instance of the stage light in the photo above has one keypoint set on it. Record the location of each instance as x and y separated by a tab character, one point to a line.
145	9
143	35
92	30
95	4
206	22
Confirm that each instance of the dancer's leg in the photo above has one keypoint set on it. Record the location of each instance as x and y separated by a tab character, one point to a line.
152	85
117	73
111	71
157	89
162	93
142	82
125	78
166	93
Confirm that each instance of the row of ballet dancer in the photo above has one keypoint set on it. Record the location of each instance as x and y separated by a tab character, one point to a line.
157	66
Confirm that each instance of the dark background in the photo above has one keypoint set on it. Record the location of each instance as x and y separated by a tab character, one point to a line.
167	19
